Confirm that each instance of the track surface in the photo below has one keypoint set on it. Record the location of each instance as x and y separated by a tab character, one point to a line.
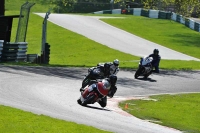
54	91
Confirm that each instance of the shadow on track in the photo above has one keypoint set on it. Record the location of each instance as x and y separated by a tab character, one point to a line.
131	82
93	107
62	72
147	79
78	73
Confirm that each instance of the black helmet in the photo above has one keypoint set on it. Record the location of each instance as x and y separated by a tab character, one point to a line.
113	79
155	51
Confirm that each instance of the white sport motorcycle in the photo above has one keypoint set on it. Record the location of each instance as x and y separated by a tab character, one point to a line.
145	67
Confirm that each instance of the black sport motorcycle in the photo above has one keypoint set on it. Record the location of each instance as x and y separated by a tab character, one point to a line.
94	73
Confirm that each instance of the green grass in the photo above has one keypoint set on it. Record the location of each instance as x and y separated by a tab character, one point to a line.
18	121
15	5
179	111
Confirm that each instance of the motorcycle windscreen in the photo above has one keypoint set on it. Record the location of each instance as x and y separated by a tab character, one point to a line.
103	87
146	60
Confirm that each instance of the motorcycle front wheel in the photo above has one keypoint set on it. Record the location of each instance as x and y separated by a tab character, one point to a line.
86	81
137	73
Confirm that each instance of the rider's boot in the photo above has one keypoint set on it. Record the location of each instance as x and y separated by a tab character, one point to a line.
81	89
103	102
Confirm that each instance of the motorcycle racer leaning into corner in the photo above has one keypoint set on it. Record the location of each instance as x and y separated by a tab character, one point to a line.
111	68
112	79
102	70
156	60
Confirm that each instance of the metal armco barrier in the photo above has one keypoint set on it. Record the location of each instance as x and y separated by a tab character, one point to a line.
145	13
14	51
1	48
32	58
45	50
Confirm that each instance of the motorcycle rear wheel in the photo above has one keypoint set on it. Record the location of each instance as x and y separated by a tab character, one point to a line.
79	101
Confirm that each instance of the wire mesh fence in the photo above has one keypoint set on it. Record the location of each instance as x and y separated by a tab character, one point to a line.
23	22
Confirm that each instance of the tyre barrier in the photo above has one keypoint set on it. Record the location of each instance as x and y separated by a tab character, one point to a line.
137	11
153	13
14	51
191	24
1	48
197	26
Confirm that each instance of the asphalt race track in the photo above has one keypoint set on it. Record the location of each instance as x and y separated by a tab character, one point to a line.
54	91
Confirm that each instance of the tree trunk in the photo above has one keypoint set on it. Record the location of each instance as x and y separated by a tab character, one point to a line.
2	7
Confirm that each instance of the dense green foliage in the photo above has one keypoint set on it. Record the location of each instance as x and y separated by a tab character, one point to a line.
69	6
87	6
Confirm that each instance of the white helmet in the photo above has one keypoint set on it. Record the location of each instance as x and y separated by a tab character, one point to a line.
116	62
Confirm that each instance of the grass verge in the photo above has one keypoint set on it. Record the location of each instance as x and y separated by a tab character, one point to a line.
180	111
18	121
15	5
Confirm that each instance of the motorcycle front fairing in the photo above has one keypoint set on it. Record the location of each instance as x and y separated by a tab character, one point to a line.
91	96
94	95
145	64
99	90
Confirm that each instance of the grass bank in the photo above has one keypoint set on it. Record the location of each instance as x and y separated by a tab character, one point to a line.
18	121
15	5
179	111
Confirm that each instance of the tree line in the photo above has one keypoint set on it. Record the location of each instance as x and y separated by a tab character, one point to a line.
182	7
